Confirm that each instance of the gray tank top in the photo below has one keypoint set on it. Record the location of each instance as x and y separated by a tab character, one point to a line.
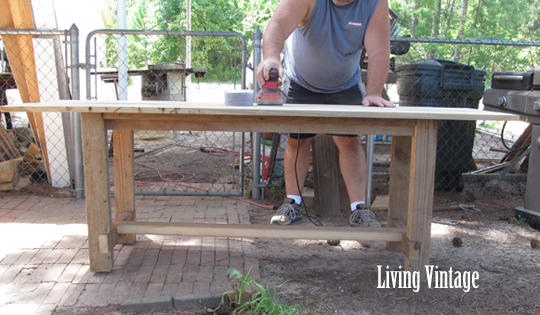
323	56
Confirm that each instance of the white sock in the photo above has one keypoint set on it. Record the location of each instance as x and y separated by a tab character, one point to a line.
297	199
354	204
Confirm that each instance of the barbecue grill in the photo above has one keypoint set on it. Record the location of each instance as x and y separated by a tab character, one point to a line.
519	93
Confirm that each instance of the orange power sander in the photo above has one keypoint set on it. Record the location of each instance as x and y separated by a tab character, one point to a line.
270	93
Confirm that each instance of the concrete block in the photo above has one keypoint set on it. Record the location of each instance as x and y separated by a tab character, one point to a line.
197	302
157	303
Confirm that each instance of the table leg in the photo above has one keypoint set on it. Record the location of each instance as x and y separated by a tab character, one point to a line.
96	183
400	173
124	195
413	186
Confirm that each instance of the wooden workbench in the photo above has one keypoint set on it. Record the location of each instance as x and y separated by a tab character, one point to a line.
414	131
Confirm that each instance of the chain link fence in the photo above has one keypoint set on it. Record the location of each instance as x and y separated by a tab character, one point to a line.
473	157
153	65
426	72
35	148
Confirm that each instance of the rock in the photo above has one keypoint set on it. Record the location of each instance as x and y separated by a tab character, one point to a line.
457	242
333	242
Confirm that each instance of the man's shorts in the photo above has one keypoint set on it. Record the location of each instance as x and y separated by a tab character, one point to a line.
300	95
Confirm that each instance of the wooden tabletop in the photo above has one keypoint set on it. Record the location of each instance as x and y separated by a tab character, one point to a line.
288	110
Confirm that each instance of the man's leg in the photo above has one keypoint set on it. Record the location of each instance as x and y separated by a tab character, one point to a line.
302	164
352	163
290	211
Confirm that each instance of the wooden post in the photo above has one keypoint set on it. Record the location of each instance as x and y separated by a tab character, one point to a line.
325	176
412	184
421	192
96	184
400	173
124	195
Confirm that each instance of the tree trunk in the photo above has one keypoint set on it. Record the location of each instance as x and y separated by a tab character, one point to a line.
436	20
448	13
435	29
415	18
461	29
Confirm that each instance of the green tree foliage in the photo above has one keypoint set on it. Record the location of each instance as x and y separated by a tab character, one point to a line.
216	54
514	20
484	19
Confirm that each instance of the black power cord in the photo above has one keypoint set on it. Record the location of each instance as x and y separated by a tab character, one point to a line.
506	146
318	222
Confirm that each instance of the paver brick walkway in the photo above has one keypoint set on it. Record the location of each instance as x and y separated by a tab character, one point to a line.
44	254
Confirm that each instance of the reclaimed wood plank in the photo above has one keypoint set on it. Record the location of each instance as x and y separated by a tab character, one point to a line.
124	189
261	231
96	184
302	110
421	190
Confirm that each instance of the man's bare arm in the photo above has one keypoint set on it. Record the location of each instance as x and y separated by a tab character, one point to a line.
377	43
288	15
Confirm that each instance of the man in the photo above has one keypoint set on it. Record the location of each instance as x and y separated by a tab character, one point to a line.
324	40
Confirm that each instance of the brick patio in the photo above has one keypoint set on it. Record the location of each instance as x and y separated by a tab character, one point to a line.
44	254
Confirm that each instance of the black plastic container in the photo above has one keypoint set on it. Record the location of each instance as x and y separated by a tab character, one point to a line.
444	83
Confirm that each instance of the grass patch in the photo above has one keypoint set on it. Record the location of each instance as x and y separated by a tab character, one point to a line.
248	297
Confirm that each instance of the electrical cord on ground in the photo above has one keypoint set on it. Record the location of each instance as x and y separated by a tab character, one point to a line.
216	151
506	146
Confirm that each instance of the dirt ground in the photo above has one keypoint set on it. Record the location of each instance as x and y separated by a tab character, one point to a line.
344	279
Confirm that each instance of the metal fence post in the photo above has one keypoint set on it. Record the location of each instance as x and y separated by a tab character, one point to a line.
76	117
370	145
256	136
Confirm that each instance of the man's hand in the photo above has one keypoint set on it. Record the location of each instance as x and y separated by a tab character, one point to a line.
263	69
376	100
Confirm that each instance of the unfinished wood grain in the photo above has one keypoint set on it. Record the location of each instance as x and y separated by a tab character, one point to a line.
400	175
262	124
9	171
96	185
31	153
421	190
8	186
381	203
261	231
124	189
325	177
21	13
7	145
124	216
491	168
106	242
410	249
287	110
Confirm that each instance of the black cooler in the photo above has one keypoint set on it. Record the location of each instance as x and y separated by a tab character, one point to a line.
444	83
